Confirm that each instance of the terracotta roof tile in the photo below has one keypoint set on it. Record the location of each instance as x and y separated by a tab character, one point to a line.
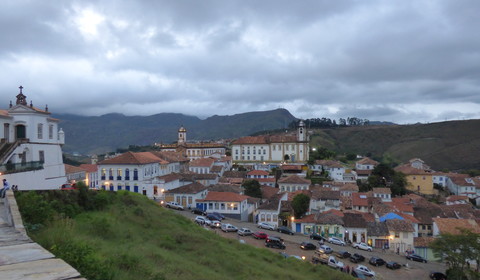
399	226
170	177
133	158
225	188
294	179
329	163
325	194
89	167
309	219
235	174
202	162
382	190
353	187
359	199
268	192
423	241
224	196
69	169
452	226
291	195
377	229
367	161
258	173
192	188
354	220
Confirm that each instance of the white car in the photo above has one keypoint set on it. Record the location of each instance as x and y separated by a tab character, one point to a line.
266	226
202	221
364	270
337	241
362	246
215	224
229	228
244	231
174	205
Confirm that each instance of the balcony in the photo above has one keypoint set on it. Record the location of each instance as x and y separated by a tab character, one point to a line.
10	168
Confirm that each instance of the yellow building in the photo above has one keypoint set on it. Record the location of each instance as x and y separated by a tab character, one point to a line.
419	177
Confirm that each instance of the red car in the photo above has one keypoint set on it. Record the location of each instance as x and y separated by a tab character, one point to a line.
260	235
68	187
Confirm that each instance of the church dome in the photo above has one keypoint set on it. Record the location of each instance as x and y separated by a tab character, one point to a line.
182	129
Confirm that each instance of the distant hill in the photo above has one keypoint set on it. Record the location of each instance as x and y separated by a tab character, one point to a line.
89	135
451	145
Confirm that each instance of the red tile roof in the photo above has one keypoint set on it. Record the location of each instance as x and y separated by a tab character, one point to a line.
258	172
452	226
89	167
268	192
202	162
224	196
382	190
69	169
309	219
329	163
291	195
367	161
192	188
133	158
294	179
359	199
401	204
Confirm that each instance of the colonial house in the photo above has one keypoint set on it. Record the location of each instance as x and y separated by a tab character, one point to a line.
346	190
378	235
462	184
364	167
385	194
424	211
360	202
422	247
440	178
273	148
293	183
327	224
135	172
419	177
164	183
263	177
74	173
355	227
324	199
269	211
204	179
335	169
193	150
31	147
401	234
91	175
231	205
187	195
201	165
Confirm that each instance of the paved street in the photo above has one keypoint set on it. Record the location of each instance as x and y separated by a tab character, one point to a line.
415	270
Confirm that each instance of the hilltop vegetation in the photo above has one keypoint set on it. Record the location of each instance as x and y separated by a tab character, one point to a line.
122	235
452	145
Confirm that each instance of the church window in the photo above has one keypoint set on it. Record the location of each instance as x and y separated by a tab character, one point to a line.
41	156
40	131
50	132
264	152
274	147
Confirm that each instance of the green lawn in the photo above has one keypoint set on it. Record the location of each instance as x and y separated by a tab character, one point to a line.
107	235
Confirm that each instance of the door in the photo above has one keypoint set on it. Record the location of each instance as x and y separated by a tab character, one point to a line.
20	132
135	189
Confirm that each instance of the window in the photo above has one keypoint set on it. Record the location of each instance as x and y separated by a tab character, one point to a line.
110	174
264	152
222	206
50	132
217	206
189	200
41	156
104	173
40	131
405	235
236	152
397	234
269	218
262	217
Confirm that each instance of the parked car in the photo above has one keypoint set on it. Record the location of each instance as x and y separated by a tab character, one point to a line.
273	242
438	276
317	236
215	224
174	205
308	246
415	257
332	262
244	232
260	235
199	211
320	257
220	216
343	254
393	265
212	216
202	220
266	226
362	246
376	261
360	276
72	186
286	230
336	241
356	258
325	249
364	270
229	228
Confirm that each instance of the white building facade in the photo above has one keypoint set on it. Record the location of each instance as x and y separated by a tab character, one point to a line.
31	145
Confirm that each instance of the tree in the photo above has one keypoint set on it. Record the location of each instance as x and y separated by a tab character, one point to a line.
252	188
383	176
456	249
300	204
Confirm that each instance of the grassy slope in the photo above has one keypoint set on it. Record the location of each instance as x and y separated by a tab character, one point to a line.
450	145
135	239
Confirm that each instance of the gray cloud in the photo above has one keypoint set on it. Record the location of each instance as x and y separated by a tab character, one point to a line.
397	61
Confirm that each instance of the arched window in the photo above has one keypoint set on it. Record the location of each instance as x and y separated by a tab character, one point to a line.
104	173
262	217
110	174
119	174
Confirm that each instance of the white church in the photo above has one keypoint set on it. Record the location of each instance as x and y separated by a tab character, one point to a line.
31	147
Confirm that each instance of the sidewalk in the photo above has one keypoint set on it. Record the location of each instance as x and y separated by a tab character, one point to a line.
23	259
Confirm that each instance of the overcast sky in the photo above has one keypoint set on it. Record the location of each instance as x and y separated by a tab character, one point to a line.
401	61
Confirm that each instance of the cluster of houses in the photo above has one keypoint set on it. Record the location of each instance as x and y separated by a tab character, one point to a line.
201	176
